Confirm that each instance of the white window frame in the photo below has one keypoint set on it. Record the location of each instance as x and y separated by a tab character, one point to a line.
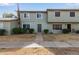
40	17
27	14
57	26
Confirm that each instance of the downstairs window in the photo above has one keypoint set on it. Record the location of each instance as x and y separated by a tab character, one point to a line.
57	26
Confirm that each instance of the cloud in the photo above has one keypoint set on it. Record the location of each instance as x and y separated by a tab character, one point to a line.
6	4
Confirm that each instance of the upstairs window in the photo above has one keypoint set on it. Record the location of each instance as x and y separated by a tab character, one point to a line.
57	14
39	15
26	15
72	14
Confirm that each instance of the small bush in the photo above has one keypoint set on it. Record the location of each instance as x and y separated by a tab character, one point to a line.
46	31
2	31
77	31
22	31
26	30
65	30
17	31
31	31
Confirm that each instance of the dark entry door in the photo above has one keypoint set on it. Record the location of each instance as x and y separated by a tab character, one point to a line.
69	27
39	27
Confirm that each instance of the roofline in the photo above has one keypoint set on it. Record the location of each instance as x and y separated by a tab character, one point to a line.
62	9
34	11
63	22
8	20
50	10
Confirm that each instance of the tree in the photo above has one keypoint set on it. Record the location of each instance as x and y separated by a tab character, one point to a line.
8	15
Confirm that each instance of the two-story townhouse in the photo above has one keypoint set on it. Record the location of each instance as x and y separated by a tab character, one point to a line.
63	19
53	19
34	19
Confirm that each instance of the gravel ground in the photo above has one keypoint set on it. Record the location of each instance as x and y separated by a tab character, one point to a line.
61	37
39	51
21	38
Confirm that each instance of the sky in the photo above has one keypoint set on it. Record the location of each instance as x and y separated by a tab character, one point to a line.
12	7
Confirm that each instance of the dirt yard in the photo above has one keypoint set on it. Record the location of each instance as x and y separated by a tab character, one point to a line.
39	51
21	37
61	37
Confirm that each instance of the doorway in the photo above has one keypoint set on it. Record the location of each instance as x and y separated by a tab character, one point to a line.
69	27
39	27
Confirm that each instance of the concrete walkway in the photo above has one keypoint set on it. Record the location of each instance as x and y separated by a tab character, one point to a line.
38	42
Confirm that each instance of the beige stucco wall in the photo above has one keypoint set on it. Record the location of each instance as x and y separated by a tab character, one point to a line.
7	27
74	26
64	16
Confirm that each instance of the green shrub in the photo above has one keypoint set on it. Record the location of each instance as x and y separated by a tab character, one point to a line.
26	30
22	31
46	31
31	31
2	31
17	31
65	30
77	31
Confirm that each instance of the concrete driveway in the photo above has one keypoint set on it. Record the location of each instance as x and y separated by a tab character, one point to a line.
38	42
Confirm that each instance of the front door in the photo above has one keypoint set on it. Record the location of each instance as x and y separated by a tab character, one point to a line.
39	27
69	27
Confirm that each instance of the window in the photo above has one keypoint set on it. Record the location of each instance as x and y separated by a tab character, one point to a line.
28	26
72	14
57	26
57	14
25	26
26	15
39	15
